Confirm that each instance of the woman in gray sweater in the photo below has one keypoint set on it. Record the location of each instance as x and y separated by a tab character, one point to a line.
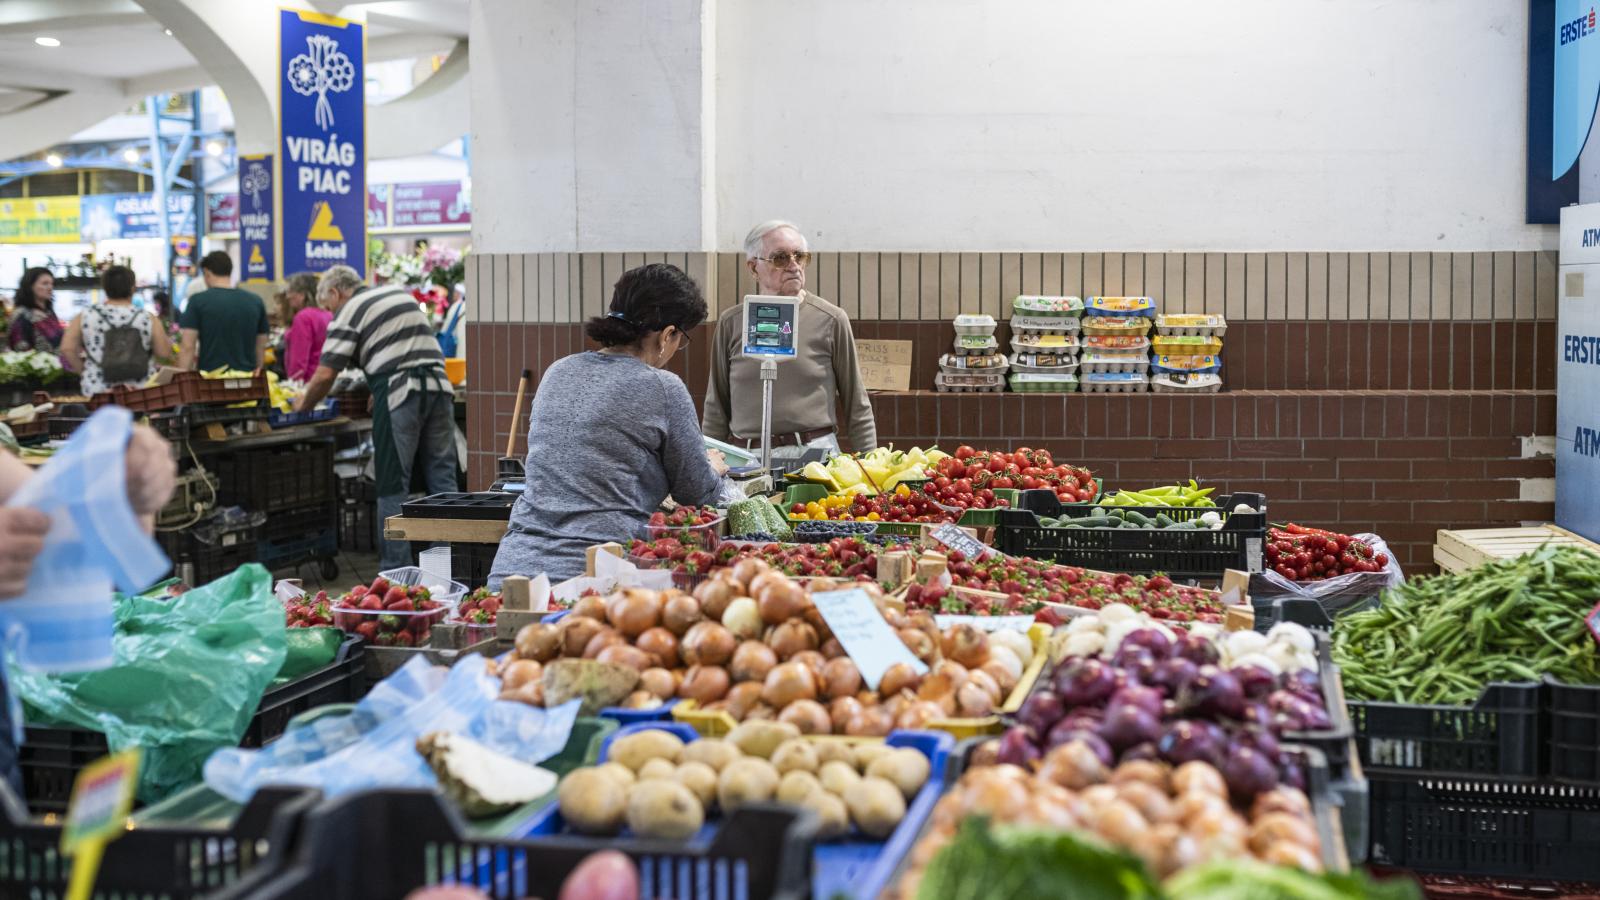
611	434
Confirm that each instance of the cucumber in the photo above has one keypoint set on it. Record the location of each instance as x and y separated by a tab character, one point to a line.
1134	517
1098	512
1110	522
1164	521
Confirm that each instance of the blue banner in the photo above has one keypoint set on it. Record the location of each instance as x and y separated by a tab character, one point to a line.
257	241
105	217
322	109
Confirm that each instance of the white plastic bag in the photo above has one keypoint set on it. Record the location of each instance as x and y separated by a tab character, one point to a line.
1337	594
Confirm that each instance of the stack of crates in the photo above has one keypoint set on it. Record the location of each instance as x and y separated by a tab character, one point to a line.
1186	354
294	485
1044	344
1116	344
975	362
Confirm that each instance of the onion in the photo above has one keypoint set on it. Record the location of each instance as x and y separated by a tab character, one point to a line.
841	679
743	619
577	631
831	648
973	702
660	643
1150	772
807	715
590	606
606	637
898	677
923	621
704	684
1276	827
1018	747
872	721
780	600
916	716
680	612
1150	801
812	660
787	683
714	595
752	661
1281	799
520	672
742	698
1288	854
758	585
1005	657
946	678
920	645
1001	673
986	681
793	636
1198	776
985	754
745	570
641	700
970	647
540	642
707	644
625	655
1074	765
658	681
842	710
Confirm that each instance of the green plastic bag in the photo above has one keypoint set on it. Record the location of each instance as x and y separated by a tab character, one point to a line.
188	677
309	649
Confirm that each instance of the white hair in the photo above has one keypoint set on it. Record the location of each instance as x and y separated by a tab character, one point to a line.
338	278
753	241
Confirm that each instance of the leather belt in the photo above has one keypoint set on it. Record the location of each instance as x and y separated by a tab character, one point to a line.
788	439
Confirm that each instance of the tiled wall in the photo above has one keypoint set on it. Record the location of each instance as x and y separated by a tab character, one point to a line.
1364	390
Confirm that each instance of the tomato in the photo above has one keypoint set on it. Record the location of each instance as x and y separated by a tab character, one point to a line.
941	482
964	452
1029	482
1084	495
997	464
963	486
1003	483
1380	562
1033	470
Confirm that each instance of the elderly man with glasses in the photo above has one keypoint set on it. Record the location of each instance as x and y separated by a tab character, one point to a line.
822	376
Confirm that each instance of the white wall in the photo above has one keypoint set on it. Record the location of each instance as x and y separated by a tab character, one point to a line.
1163	125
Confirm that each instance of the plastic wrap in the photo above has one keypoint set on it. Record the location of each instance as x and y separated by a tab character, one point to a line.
1339	594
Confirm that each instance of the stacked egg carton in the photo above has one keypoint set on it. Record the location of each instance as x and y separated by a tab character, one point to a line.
1186	354
975	362
1044	344
1116	344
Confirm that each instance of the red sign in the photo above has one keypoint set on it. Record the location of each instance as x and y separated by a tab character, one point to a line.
378	206
222	213
430	203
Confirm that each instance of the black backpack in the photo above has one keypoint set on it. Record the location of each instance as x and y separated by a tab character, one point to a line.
125	359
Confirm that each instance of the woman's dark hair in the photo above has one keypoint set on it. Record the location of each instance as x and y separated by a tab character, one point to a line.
648	299
117	282
24	298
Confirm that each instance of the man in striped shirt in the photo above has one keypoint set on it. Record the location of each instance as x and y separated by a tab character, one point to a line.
382	331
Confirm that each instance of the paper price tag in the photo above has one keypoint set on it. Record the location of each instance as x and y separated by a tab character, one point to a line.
955	538
986	623
867	639
1593	621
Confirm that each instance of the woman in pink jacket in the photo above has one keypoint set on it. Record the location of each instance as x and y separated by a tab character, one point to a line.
308	328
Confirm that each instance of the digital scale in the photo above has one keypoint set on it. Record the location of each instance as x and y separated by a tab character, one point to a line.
770	331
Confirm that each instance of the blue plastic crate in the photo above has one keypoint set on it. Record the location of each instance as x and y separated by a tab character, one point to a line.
853	866
284	420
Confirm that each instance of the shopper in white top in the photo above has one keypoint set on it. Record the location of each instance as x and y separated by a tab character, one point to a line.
114	342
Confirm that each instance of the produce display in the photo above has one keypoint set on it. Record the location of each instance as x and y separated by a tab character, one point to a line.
881	470
695	526
901	505
1025	581
1113	517
757	516
389	615
312	613
840	557
658	786
480	607
1439	640
961	480
1167	495
750	642
1299	553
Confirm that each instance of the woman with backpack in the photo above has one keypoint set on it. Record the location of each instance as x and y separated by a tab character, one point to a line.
113	342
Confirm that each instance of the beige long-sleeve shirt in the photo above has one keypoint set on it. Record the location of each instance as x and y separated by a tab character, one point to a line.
824	367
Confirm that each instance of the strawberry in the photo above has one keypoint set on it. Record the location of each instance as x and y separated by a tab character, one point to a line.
368	630
393	594
385	639
404	604
358	591
322	597
404	639
380	586
389	623
371	601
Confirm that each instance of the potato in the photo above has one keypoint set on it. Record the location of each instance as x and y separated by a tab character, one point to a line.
592	801
832	811
640	747
617	770
904	767
797	785
831	750
701	780
714	752
876	806
867	751
659	768
761	737
663	808
795	755
746	781
838	777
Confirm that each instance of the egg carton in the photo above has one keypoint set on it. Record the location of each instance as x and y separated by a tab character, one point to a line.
961	384
1120	307
1092	361
1034	383
1114	325
1164	383
1187	365
1114	383
1192	324
1045	343
1048	362
1045	324
975	345
1129	343
961	365
1040	305
968	324
1186	345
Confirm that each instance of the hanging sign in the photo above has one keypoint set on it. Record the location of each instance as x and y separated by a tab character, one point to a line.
257	242
322	110
430	203
39	220
104	217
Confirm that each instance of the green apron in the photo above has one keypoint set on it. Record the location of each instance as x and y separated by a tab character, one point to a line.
390	473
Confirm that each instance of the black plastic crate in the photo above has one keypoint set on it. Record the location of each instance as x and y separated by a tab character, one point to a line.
358	490
1180	554
270	479
471	564
289	525
1500	735
1511	828
211	562
1333	742
200	414
358	527
1574	723
761	851
491	505
173	862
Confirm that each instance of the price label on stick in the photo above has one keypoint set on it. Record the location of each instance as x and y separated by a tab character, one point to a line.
1593	621
956	538
986	623
102	797
867	639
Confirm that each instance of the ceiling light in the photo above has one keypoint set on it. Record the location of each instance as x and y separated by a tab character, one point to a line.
47	41
130	156
54	160
167	31
213	148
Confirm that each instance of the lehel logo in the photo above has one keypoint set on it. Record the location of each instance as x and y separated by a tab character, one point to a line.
1581	27
322	227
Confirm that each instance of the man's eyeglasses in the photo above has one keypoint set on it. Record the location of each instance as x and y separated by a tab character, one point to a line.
783	258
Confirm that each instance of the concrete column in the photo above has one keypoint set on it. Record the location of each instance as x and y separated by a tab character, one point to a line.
593	123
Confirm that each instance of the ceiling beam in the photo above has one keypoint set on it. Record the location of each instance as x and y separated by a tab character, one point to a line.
36	79
407	46
39	16
413	15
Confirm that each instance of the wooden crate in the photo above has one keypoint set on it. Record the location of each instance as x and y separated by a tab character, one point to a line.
1457	551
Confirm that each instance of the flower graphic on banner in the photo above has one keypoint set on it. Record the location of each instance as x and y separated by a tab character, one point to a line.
256	179
320	70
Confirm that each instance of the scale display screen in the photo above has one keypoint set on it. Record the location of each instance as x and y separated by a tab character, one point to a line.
769	326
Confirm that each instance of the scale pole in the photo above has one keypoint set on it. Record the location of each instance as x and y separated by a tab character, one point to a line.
769	375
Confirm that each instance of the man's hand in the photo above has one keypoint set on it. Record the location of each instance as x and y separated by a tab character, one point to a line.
719	462
22	534
152	474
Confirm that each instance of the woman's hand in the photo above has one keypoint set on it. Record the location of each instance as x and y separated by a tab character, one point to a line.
152	475
22	532
719	463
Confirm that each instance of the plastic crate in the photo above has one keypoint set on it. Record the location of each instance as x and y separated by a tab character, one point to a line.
1574	723
1180	554
232	390
320	545
286	420
353	403
488	505
358	529
1488	826
1500	735
182	389
1332	742
174	862
763	851
270	479
855	865
341	681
